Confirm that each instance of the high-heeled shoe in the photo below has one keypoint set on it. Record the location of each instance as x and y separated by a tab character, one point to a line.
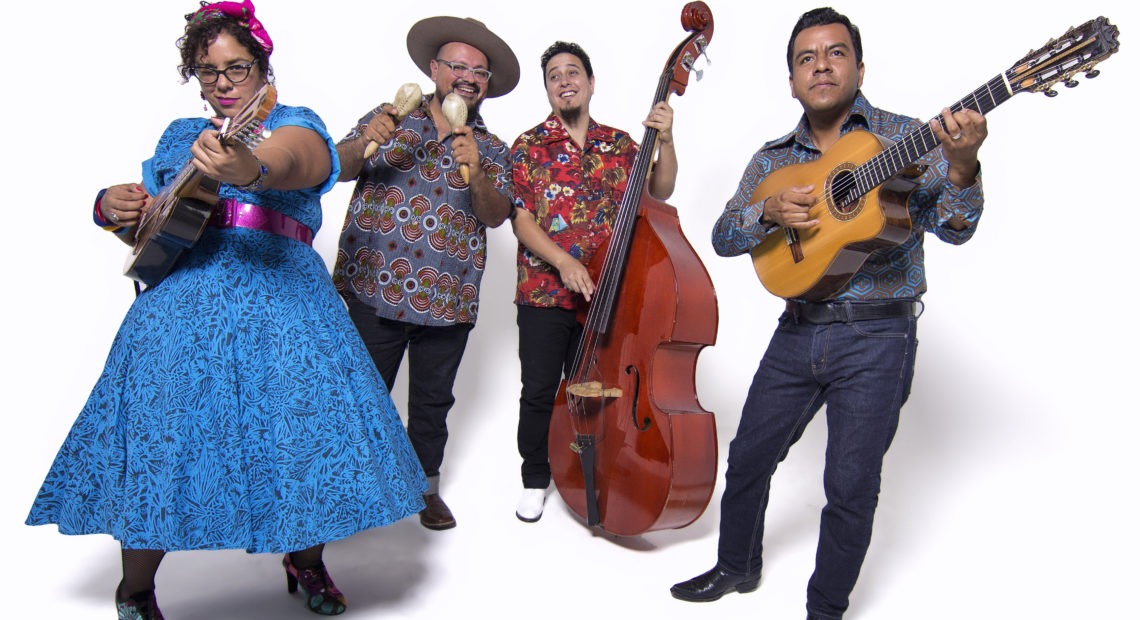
321	594
138	606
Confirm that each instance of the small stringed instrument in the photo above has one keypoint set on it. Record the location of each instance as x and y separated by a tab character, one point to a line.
175	219
631	449
866	180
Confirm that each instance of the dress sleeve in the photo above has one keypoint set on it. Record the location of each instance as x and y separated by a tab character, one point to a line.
304	117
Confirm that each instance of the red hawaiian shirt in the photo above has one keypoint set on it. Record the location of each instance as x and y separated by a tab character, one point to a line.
573	193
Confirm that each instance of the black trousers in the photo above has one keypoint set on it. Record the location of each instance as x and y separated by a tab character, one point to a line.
434	353
548	338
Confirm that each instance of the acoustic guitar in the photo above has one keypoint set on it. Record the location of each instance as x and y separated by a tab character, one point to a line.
174	220
866	180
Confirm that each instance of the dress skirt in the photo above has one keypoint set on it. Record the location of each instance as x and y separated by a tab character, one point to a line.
238	408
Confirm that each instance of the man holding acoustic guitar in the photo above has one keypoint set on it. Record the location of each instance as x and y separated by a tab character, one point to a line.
847	337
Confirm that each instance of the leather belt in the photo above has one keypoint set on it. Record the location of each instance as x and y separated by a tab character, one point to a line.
229	213
847	311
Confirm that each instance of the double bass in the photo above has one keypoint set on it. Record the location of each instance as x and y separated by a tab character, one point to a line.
631	449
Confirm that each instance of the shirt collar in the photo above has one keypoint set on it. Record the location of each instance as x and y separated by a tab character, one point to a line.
554	131
858	117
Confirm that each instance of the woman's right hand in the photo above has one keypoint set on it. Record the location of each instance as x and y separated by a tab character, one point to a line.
123	205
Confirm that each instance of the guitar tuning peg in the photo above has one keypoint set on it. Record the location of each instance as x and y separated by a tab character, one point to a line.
1093	73
1071	83
1050	93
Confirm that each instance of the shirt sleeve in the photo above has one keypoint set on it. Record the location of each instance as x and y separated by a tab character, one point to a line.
739	228
358	129
950	212
497	165
523	188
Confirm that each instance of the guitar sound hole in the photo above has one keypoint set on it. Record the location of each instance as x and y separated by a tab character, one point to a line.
843	194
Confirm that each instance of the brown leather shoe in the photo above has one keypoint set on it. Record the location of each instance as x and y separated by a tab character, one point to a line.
436	515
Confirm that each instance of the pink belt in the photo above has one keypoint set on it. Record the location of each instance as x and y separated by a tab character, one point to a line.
229	213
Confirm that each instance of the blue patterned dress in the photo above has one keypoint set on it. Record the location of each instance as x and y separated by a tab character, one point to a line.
238	407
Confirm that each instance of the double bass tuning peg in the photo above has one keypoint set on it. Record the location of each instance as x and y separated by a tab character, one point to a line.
1070	83
1092	74
1050	93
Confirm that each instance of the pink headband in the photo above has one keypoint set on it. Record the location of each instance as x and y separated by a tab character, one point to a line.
244	13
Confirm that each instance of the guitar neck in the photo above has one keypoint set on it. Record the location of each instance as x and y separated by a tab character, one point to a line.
605	298
921	141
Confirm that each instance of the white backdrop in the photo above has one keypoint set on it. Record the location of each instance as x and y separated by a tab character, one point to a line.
1009	489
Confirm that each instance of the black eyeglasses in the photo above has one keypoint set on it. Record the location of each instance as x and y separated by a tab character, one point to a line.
460	70
236	74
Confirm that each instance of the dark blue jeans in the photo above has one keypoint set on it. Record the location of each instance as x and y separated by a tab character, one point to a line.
434	353
862	370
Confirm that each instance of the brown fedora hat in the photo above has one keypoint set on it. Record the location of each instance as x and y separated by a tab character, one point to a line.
428	35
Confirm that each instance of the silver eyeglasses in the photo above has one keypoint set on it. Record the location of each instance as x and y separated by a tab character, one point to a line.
460	70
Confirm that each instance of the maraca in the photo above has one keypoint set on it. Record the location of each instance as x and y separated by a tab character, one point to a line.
407	99
455	111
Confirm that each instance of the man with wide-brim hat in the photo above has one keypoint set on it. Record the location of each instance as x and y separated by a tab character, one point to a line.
414	242
427	36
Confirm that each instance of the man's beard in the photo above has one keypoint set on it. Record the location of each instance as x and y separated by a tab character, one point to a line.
571	116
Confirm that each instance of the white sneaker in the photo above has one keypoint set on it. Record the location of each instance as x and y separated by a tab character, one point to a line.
530	505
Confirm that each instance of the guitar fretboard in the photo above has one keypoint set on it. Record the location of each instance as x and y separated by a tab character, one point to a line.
922	140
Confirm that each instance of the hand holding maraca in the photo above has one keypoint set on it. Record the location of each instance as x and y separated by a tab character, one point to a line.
407	98
455	111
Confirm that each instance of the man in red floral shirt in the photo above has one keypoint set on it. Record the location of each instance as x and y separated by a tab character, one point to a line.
569	176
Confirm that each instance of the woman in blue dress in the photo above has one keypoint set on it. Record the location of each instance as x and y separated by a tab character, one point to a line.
238	407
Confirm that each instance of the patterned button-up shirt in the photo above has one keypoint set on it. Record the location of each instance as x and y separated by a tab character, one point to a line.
891	273
574	194
411	246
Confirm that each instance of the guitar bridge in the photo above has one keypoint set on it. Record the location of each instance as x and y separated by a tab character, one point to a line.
793	240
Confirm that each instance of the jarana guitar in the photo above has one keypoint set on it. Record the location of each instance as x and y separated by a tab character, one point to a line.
866	180
176	217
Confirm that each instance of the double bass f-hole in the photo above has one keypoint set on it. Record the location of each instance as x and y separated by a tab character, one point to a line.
632	370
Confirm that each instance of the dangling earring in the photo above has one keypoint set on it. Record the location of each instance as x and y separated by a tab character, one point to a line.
205	106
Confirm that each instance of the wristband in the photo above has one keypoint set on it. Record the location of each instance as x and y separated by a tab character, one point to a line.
256	184
97	215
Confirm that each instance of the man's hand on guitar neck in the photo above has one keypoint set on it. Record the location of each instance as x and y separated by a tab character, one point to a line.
962	137
790	207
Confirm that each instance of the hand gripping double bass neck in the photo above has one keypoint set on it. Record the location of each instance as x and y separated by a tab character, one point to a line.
631	449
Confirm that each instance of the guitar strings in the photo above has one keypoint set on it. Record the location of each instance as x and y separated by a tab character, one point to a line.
911	147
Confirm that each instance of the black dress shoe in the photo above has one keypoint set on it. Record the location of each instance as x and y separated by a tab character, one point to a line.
436	515
713	585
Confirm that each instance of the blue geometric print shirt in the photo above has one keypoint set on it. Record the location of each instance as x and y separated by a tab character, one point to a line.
889	273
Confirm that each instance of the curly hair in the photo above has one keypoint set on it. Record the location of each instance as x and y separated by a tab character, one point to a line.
200	34
562	47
